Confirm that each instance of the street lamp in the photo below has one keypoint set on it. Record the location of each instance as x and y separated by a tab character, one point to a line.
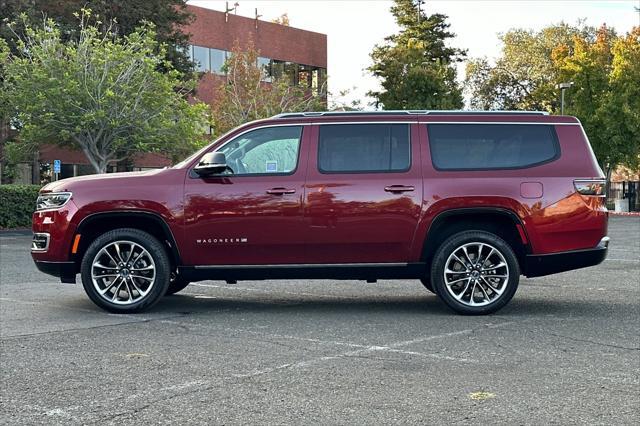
563	87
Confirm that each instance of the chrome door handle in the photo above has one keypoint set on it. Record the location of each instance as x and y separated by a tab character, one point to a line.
280	191
398	188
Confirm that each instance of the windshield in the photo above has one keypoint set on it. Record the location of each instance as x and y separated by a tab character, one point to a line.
199	152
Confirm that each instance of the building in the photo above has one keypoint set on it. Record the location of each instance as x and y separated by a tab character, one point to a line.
299	55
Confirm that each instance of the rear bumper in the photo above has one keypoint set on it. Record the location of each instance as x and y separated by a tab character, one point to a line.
66	271
546	264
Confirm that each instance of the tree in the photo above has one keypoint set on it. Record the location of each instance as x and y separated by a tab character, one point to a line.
244	96
604	69
525	75
101	94
282	20
119	16
415	66
605	95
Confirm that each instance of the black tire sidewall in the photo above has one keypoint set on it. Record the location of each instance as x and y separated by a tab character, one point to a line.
427	284
455	241
155	249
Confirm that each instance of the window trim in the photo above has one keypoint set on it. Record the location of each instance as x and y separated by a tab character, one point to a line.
194	175
554	138
364	172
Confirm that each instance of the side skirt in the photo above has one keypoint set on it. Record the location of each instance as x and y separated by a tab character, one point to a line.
342	271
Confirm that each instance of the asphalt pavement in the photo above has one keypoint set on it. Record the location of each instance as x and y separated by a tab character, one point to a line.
566	350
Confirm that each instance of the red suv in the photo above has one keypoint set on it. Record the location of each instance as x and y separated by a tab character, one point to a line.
465	202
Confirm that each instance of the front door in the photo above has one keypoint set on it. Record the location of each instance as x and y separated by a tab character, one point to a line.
363	193
253	213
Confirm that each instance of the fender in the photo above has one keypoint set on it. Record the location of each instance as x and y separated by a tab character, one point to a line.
153	216
470	211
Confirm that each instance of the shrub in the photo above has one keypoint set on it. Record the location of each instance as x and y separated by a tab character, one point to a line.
17	203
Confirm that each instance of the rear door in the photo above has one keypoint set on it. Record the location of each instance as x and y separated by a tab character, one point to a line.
363	192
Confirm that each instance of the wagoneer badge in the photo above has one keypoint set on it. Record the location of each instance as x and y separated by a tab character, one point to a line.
222	241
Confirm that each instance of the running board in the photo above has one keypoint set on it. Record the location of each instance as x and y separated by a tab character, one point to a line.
339	271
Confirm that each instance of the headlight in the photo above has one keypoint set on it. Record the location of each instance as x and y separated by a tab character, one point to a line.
53	200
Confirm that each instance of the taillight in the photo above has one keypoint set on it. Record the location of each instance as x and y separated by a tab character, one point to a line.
590	187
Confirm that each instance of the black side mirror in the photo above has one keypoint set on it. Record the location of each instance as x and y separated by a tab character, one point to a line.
211	163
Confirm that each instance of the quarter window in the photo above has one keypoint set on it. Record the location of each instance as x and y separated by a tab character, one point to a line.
353	148
270	150
491	146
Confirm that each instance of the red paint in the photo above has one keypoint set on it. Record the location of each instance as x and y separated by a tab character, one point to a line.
340	218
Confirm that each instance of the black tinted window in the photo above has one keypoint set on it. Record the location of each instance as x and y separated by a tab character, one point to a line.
364	148
491	146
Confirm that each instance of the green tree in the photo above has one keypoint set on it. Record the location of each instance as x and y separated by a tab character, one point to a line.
119	16
244	96
100	94
525	75
415	66
604	69
606	94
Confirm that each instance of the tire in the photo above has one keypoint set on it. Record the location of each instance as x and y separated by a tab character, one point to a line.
125	271
176	284
479	281
427	284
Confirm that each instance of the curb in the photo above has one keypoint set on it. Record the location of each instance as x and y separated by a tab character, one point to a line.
15	231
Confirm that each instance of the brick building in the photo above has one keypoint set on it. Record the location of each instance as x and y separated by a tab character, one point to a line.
299	55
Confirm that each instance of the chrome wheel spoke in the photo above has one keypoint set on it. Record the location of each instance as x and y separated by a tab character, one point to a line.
475	280
111	282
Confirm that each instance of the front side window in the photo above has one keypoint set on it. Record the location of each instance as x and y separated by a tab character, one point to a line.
491	146
271	150
361	148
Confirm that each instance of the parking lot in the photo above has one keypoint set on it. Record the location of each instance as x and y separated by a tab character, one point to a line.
566	350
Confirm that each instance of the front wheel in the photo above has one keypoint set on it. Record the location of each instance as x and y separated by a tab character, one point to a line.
475	272
125	271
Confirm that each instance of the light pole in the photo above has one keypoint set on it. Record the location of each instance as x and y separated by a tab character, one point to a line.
563	87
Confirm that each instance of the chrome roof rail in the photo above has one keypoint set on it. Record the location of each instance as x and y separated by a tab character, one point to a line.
401	112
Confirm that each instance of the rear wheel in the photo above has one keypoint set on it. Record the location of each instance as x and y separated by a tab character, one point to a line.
125	270
475	272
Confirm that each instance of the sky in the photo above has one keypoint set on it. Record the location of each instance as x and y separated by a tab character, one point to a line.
354	27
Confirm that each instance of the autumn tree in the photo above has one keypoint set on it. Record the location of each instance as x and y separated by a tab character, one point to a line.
603	67
605	95
416	67
246	96
101	94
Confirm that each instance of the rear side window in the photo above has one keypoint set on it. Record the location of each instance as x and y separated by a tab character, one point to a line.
362	148
491	146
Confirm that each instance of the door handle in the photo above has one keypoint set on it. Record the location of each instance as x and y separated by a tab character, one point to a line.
398	188
280	191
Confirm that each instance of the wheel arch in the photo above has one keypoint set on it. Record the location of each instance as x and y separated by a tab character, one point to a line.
96	224
501	221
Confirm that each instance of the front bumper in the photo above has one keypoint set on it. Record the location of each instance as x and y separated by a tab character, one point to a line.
66	271
547	264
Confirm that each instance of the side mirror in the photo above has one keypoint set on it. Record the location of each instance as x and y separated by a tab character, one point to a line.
211	163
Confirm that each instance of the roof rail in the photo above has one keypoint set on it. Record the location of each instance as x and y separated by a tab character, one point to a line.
401	112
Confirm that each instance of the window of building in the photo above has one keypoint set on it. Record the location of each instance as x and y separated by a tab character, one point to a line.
319	80
201	58
271	150
491	146
218	58
305	76
265	67
350	148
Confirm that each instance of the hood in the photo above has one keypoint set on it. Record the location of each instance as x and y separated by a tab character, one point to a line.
99	180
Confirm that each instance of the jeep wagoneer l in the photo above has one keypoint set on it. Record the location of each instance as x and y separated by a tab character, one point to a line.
465	202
